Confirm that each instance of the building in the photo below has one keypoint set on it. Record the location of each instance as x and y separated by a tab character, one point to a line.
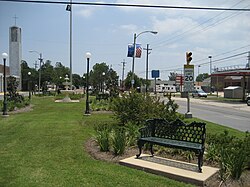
232	77
15	53
15	57
162	86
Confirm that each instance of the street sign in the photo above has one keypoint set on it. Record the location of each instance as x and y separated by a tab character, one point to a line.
155	73
188	78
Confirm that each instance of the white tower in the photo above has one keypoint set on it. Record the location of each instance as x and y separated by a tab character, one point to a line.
15	53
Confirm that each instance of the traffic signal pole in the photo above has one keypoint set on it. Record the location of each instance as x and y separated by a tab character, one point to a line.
188	81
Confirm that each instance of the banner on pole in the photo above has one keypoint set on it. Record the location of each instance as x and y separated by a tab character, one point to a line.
131	50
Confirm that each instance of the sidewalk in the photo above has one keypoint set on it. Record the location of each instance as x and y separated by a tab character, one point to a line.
236	105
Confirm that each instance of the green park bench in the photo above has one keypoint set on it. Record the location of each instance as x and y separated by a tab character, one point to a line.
174	134
102	96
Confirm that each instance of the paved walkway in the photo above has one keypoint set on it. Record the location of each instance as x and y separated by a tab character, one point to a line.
177	170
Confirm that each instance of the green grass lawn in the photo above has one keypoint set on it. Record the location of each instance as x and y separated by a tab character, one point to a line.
45	147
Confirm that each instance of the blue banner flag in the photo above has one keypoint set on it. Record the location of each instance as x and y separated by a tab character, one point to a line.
131	50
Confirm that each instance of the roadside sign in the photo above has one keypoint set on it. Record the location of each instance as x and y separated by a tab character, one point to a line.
155	73
188	78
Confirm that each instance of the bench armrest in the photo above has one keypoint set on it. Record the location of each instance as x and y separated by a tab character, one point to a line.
145	132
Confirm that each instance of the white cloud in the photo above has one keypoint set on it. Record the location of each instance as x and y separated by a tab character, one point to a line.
170	26
129	28
86	12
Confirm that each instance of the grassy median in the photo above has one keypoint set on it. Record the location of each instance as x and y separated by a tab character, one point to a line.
45	147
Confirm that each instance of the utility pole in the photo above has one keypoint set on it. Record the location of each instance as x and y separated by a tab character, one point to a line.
210	57
248	60
147	66
36	65
123	69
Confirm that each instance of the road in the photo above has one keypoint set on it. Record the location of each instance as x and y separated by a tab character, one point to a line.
236	116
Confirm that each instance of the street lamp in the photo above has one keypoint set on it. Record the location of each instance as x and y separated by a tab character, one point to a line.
40	62
198	74
103	74
5	56
88	56
133	62
29	73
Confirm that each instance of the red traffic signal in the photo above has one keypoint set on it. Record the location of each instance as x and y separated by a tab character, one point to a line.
188	57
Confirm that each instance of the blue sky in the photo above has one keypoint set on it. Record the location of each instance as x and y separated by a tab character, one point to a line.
107	31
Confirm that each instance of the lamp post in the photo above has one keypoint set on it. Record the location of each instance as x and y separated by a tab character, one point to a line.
88	56
40	62
5	56
198	74
29	73
210	57
103	75
133	61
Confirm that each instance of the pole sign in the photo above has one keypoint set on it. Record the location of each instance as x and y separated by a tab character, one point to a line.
155	73
188	78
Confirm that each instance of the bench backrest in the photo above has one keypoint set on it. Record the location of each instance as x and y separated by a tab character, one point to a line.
177	130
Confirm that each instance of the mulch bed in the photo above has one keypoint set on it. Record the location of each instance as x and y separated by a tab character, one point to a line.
94	151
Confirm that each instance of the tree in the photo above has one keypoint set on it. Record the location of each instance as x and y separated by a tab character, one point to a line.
98	76
111	82
60	72
202	77
128	79
13	95
47	71
26	78
77	80
172	76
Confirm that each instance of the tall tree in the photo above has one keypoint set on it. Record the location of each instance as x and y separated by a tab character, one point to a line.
26	78
128	79
202	77
60	72
111	82
98	76
172	76
47	72
77	80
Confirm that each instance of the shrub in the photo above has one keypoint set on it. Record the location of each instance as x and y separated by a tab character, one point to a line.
136	108
132	134
232	154
211	153
118	140
100	105
103	137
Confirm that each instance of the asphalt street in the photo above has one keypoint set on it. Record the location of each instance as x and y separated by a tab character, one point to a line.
234	115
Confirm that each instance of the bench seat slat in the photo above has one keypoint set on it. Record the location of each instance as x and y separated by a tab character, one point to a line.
176	143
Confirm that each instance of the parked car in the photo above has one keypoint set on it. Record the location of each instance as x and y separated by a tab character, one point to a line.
248	100
199	93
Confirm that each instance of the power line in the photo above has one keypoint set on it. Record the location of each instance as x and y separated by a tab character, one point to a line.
190	31
131	5
178	68
225	58
222	53
179	36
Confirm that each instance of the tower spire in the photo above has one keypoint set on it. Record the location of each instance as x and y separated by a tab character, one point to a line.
15	17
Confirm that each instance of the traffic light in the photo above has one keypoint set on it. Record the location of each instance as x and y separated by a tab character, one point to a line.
188	57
